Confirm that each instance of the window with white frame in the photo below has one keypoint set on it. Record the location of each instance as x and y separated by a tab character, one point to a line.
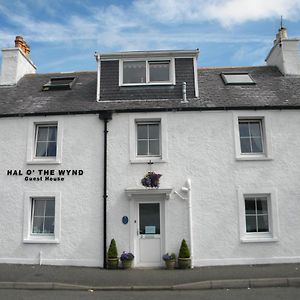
42	216
141	72
46	140
148	138
258	215
252	136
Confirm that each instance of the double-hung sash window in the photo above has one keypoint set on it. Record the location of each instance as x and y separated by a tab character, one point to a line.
42	216
142	72
148	139
46	141
257	214
251	136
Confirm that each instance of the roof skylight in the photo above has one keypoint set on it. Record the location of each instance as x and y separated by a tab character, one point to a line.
59	83
237	78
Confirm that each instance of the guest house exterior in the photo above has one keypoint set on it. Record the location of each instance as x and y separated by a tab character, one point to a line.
75	147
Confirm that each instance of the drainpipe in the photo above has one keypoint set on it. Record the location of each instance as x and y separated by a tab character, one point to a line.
188	189
97	55
105	116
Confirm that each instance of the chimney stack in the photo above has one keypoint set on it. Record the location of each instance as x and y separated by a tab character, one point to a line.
16	63
285	54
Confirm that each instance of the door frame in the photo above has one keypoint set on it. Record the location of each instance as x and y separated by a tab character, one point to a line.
141	195
162	231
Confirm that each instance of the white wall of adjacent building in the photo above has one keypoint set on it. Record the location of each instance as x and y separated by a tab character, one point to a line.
79	240
202	146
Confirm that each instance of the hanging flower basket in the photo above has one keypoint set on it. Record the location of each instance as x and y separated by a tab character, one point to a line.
151	180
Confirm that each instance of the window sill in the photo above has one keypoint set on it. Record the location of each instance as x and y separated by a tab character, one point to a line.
41	241
258	239
146	160
252	157
148	84
44	162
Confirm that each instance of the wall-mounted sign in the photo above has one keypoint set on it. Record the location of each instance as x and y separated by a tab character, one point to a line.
125	220
44	174
150	229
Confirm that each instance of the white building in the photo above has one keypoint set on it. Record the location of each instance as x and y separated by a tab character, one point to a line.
225	141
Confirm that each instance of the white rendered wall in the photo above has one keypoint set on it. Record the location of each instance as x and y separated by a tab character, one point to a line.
14	66
285	55
201	146
81	196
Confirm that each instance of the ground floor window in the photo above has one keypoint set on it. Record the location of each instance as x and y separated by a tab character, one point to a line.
258	215
256	212
43	216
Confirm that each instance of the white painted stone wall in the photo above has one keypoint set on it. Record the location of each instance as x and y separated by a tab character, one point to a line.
81	240
14	66
285	55
201	146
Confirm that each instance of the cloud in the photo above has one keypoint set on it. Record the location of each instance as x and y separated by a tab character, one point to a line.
226	12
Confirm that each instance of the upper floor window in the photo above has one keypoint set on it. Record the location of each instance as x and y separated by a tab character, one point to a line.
45	140
143	72
251	136
148	139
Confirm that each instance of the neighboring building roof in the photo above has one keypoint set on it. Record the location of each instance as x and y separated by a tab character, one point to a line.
272	90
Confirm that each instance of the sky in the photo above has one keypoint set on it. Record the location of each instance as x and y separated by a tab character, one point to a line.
64	34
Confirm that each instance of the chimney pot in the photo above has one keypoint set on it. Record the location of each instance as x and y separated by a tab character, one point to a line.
22	45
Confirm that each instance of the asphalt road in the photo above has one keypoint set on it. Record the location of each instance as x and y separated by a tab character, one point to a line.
232	294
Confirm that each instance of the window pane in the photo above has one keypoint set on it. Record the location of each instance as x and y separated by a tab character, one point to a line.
245	145
262	206
52	133
142	131
42	133
142	148
37	226
51	151
238	78
154	147
149	218
153	131
250	206
251	224
244	129
255	129
159	71
39	207
262	223
50	208
49	225
257	146
134	72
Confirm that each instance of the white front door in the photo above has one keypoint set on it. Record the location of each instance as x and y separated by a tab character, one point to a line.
149	234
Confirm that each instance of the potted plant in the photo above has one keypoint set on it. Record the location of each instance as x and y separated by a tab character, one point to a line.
170	260
151	180
126	259
184	257
112	255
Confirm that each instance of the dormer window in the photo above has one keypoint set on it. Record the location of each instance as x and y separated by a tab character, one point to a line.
59	83
238	78
147	72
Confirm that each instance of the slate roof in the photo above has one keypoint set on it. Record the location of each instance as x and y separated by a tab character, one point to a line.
272	90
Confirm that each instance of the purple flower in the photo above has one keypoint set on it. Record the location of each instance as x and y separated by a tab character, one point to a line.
151	179
126	256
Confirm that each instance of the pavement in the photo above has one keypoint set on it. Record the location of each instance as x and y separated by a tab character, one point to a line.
85	278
